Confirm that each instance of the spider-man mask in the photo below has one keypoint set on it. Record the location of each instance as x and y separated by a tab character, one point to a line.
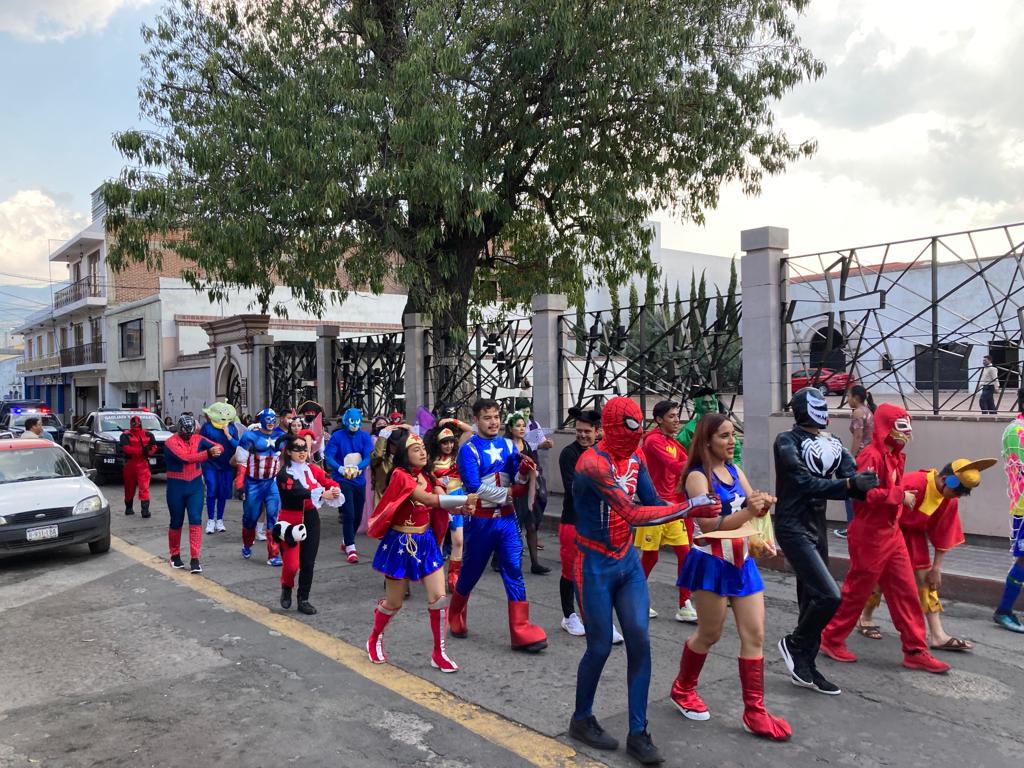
623	425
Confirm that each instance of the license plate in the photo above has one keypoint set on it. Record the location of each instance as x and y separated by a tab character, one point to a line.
109	461
38	534
152	462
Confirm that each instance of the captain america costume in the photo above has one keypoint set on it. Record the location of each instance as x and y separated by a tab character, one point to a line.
609	576
489	467
257	460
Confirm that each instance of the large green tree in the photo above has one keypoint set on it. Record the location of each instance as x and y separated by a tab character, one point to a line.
473	150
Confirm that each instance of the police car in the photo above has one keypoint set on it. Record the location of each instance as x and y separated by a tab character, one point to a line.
14	414
47	501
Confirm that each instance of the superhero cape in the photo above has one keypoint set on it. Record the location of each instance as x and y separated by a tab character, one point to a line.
399	489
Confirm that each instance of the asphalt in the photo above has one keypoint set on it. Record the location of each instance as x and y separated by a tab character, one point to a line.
111	662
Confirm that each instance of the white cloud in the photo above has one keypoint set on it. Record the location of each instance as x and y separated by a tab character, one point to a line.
44	20
29	219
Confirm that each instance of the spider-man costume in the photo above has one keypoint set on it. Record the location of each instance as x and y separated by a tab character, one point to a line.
608	572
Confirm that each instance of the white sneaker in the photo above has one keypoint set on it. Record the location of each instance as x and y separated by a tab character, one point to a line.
616	635
209	526
686	613
652	614
261	531
220	525
574	626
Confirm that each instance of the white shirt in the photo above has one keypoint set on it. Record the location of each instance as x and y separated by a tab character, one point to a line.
29	435
989	376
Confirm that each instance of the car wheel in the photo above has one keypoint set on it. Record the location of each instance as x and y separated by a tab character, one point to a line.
823	388
100	546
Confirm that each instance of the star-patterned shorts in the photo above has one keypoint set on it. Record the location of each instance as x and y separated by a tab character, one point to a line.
408	555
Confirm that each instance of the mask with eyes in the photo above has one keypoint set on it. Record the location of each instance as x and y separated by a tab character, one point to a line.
622	423
352	419
809	408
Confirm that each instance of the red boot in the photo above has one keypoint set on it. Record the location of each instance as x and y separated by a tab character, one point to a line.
525	636
375	643
457	615
684	689
454	566
755	717
439	626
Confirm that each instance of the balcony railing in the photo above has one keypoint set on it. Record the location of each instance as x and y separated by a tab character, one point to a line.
39	364
83	354
78	290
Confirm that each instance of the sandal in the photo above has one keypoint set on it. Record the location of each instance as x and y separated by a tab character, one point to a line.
954	644
870	631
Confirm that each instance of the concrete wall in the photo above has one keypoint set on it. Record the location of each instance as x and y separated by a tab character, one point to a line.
186	389
937	441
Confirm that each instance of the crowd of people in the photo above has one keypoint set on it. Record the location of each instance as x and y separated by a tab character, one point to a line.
447	498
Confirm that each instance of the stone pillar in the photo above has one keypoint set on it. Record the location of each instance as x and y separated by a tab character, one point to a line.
416	353
326	393
761	326
547	307
256	388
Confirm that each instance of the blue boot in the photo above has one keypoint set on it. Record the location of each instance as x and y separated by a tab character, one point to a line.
1008	621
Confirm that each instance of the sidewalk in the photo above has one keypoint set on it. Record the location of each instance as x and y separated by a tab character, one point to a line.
971	573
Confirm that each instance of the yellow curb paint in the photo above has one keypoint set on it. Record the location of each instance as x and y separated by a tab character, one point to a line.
533	747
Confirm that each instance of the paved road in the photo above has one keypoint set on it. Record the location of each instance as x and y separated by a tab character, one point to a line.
115	660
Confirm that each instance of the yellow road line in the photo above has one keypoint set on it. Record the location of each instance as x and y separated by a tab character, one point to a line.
535	748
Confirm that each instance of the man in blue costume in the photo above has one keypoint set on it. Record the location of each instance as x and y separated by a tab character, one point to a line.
347	456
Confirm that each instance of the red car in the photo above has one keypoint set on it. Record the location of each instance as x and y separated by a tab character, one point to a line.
827	381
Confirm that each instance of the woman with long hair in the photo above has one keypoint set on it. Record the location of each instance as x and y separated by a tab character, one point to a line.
442	452
529	508
862	424
304	488
410	521
718	569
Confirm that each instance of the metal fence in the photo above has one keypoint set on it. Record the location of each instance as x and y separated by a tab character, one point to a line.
291	373
497	363
652	352
368	373
910	320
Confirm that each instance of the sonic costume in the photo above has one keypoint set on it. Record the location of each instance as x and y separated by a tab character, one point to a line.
609	476
257	459
347	456
488	468
218	473
1013	460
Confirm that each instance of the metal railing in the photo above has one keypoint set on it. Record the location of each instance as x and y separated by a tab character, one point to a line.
87	287
651	352
83	354
369	373
909	320
291	374
495	363
38	364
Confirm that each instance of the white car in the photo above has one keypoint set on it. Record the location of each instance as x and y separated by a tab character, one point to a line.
47	501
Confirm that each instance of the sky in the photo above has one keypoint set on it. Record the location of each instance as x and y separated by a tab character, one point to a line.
918	121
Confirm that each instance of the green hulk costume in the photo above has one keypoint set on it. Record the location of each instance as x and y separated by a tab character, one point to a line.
704	401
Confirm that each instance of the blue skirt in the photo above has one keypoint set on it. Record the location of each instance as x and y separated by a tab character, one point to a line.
395	560
455	521
712	574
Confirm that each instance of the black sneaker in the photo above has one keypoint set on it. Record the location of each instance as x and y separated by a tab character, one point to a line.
640	747
821	685
539	569
590	732
306	607
194	565
176	561
286	597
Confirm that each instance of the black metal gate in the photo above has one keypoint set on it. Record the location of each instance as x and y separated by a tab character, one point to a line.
369	373
290	375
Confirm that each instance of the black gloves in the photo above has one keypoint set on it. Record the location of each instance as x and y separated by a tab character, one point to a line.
861	483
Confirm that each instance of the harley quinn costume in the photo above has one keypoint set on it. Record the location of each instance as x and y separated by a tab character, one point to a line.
301	486
487	467
183	453
608	572
256	458
218	473
138	446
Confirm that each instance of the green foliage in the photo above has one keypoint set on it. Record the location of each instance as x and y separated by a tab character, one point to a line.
475	151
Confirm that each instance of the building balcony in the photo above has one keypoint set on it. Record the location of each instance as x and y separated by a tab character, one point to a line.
83	293
83	354
50	362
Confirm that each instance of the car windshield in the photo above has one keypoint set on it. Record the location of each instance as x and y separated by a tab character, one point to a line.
49	420
119	422
36	464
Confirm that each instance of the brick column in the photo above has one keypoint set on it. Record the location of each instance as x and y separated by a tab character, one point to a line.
257	373
416	352
325	390
547	308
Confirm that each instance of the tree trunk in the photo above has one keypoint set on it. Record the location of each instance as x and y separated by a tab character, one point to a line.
451	377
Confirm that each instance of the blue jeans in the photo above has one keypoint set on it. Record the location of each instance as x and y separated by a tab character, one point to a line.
350	515
606	584
484	536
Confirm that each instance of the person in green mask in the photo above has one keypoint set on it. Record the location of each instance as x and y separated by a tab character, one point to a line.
705	400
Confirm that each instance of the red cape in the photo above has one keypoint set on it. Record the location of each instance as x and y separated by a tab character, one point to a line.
397	493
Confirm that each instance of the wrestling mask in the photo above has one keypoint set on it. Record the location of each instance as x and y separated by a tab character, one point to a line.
267	419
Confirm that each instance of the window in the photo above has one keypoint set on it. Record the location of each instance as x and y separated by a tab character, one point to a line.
131	338
953	373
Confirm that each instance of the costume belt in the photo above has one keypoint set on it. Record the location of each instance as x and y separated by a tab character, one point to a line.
490	513
410	528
